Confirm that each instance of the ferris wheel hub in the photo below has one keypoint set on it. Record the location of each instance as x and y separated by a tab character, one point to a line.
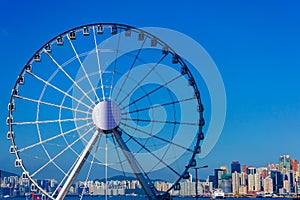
106	115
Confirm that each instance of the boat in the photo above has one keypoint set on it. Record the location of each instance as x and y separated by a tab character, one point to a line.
218	194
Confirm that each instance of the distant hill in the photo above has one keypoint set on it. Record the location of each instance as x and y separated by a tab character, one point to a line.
7	174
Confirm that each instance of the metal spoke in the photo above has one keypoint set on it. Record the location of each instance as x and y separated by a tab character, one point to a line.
51	121
132	65
139	83
155	136
115	66
69	77
59	90
98	62
60	153
50	104
163	122
155	156
152	91
54	137
158	105
83	68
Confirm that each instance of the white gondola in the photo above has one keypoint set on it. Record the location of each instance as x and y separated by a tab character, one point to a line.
196	94
191	82
128	32
18	163
33	188
14	92
86	31
37	57
153	42
141	36
186	175
72	35
184	70
165	50
24	175
59	41
28	68
198	150
10	135
200	108
114	30
12	150
202	122
193	163
9	120
100	29
11	106
175	59
21	80
48	48
201	136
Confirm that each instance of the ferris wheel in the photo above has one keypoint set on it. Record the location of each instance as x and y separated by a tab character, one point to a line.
103	100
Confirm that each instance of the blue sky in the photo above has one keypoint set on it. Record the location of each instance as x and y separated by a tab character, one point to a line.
255	45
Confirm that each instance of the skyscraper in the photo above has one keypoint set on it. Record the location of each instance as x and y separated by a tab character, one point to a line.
284	163
294	165
217	181
235	167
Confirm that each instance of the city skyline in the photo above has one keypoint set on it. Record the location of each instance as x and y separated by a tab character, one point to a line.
280	178
255	46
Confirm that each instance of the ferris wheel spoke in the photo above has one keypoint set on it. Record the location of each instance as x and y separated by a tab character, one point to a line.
84	70
59	90
115	66
50	104
52	121
60	153
54	137
155	156
157	137
158	105
69	77
152	91
98	63
132	65
141	81
159	121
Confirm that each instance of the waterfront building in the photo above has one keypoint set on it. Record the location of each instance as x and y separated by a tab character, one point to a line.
236	182
218	174
277	180
268	185
226	183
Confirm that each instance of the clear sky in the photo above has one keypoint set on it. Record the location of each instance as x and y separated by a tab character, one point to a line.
255	44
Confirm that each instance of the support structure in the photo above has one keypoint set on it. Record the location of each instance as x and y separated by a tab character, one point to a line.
74	173
134	165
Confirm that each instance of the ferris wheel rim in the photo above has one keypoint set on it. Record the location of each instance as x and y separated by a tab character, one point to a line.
16	86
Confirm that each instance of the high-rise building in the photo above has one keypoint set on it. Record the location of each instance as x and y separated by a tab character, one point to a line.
218	174
251	170
294	165
236	182
284	163
235	167
277	180
268	185
244	168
